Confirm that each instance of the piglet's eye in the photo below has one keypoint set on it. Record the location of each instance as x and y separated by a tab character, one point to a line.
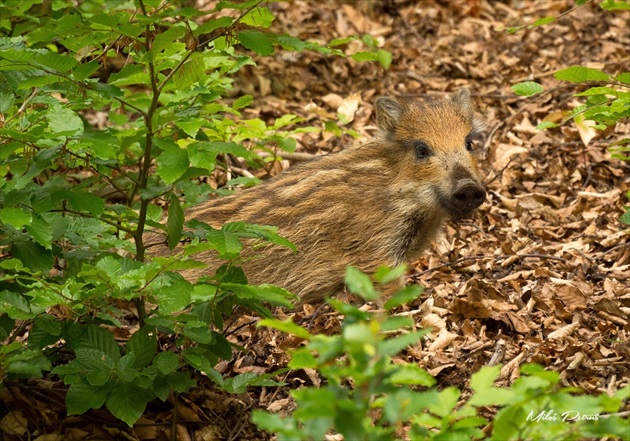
422	150
470	146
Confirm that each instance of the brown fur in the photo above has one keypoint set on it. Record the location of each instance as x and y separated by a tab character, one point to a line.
378	204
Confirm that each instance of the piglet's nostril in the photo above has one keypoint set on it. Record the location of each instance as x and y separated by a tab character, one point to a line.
468	196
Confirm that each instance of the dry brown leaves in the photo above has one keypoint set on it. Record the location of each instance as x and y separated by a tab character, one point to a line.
542	273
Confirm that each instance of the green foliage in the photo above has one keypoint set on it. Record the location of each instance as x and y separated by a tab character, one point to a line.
366	395
605	5
383	56
109	111
605	104
614	5
606	101
527	88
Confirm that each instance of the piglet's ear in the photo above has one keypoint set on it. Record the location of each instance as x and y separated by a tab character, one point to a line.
388	113
461	99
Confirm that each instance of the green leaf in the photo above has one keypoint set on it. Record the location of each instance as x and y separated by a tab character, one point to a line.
100	339
258	17
198	332
27	363
202	360
411	374
542	21
225	242
360	284
487	395
594	91
190	126
527	88
33	256
130	74
82	397
38	81
84	201
110	266
16	217
286	326
385	274
166	38
180	381
623	77
40	231
63	121
396	344
193	71
302	358
365	56
7	100
315	404
271	294
484	379
256	41
340	41
167	362
211	25
265	232
83	71
285	427
6	327
535	370
289	43
98	377
142	345
242	101
547	125
447	400
615	5
402	297
579	74
51	60
360	336
175	297
174	222
243	181
396	323
384	57
127	401
239	384
239	5
15	305
19	54
172	163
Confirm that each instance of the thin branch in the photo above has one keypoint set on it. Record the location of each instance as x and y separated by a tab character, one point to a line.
487	257
113	223
234	23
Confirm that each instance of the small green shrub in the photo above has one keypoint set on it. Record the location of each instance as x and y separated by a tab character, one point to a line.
109	111
366	396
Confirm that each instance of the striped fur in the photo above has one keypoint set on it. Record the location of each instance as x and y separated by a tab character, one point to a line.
377	204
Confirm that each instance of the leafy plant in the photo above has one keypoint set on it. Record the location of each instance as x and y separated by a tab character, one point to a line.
109	111
365	395
606	5
606	100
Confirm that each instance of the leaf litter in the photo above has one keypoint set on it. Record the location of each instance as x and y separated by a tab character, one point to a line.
540	274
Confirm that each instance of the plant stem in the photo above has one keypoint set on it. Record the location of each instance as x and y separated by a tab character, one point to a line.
144	164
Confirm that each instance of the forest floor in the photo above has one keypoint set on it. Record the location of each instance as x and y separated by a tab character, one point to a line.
542	271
